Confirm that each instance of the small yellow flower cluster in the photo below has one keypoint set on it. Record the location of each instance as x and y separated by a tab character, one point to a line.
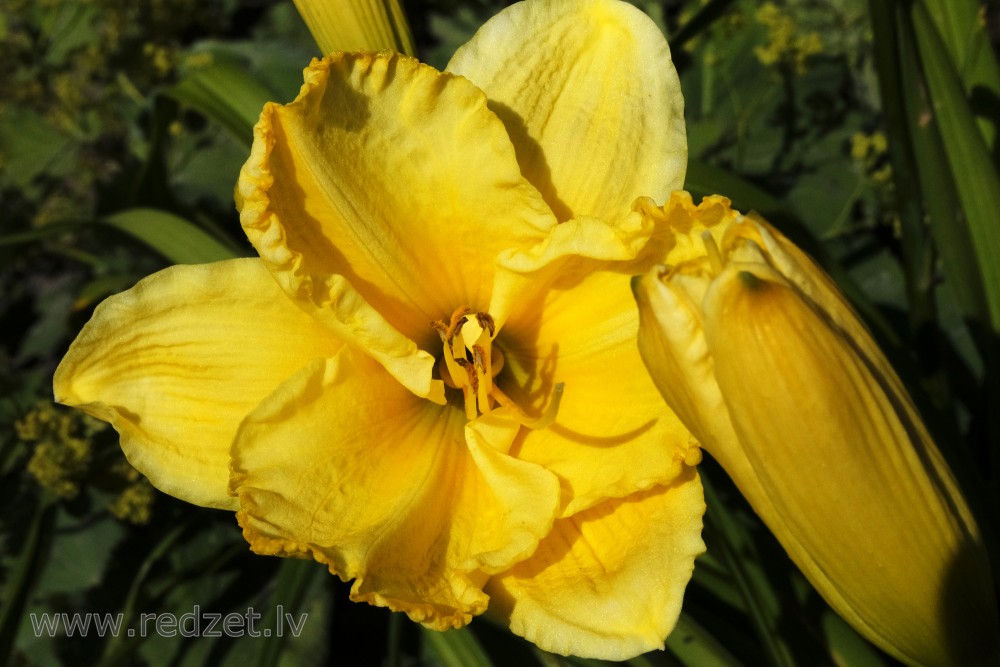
62	449
163	58
870	150
135	503
61	462
784	46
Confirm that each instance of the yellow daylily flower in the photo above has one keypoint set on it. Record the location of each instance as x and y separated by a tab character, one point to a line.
428	380
763	359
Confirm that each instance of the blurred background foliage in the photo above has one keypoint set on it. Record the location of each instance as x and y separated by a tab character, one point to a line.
865	130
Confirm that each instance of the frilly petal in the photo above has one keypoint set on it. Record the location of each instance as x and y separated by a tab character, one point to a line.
397	178
344	465
608	583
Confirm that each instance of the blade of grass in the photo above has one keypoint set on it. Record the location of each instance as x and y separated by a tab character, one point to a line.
723	533
913	126
696	647
31	562
173	237
118	649
961	24
454	648
394	649
38	234
226	93
295	580
848	647
697	24
916	264
976	179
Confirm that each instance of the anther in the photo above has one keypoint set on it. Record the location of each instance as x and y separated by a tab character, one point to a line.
472	367
486	322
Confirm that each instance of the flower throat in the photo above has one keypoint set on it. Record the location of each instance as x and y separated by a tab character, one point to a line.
472	367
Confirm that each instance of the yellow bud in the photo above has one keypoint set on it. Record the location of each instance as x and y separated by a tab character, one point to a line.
765	362
357	25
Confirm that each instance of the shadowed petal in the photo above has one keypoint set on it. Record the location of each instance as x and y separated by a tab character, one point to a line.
613	433
590	98
396	177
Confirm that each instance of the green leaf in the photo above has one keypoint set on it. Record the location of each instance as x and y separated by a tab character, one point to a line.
37	234
23	577
710	12
226	92
120	647
704	179
175	238
963	30
923	181
694	646
897	69
296	581
454	648
722	532
848	647
69	26
975	175
79	556
30	147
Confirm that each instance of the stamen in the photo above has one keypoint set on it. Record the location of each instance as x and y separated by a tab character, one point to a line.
472	368
441	328
457	320
473	385
712	250
547	417
484	383
486	322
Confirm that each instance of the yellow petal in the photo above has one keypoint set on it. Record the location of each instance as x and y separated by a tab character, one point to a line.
571	251
671	342
842	455
396	177
177	361
357	25
345	465
613	434
608	583
590	98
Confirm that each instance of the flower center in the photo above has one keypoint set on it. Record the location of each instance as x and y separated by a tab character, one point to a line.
471	367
